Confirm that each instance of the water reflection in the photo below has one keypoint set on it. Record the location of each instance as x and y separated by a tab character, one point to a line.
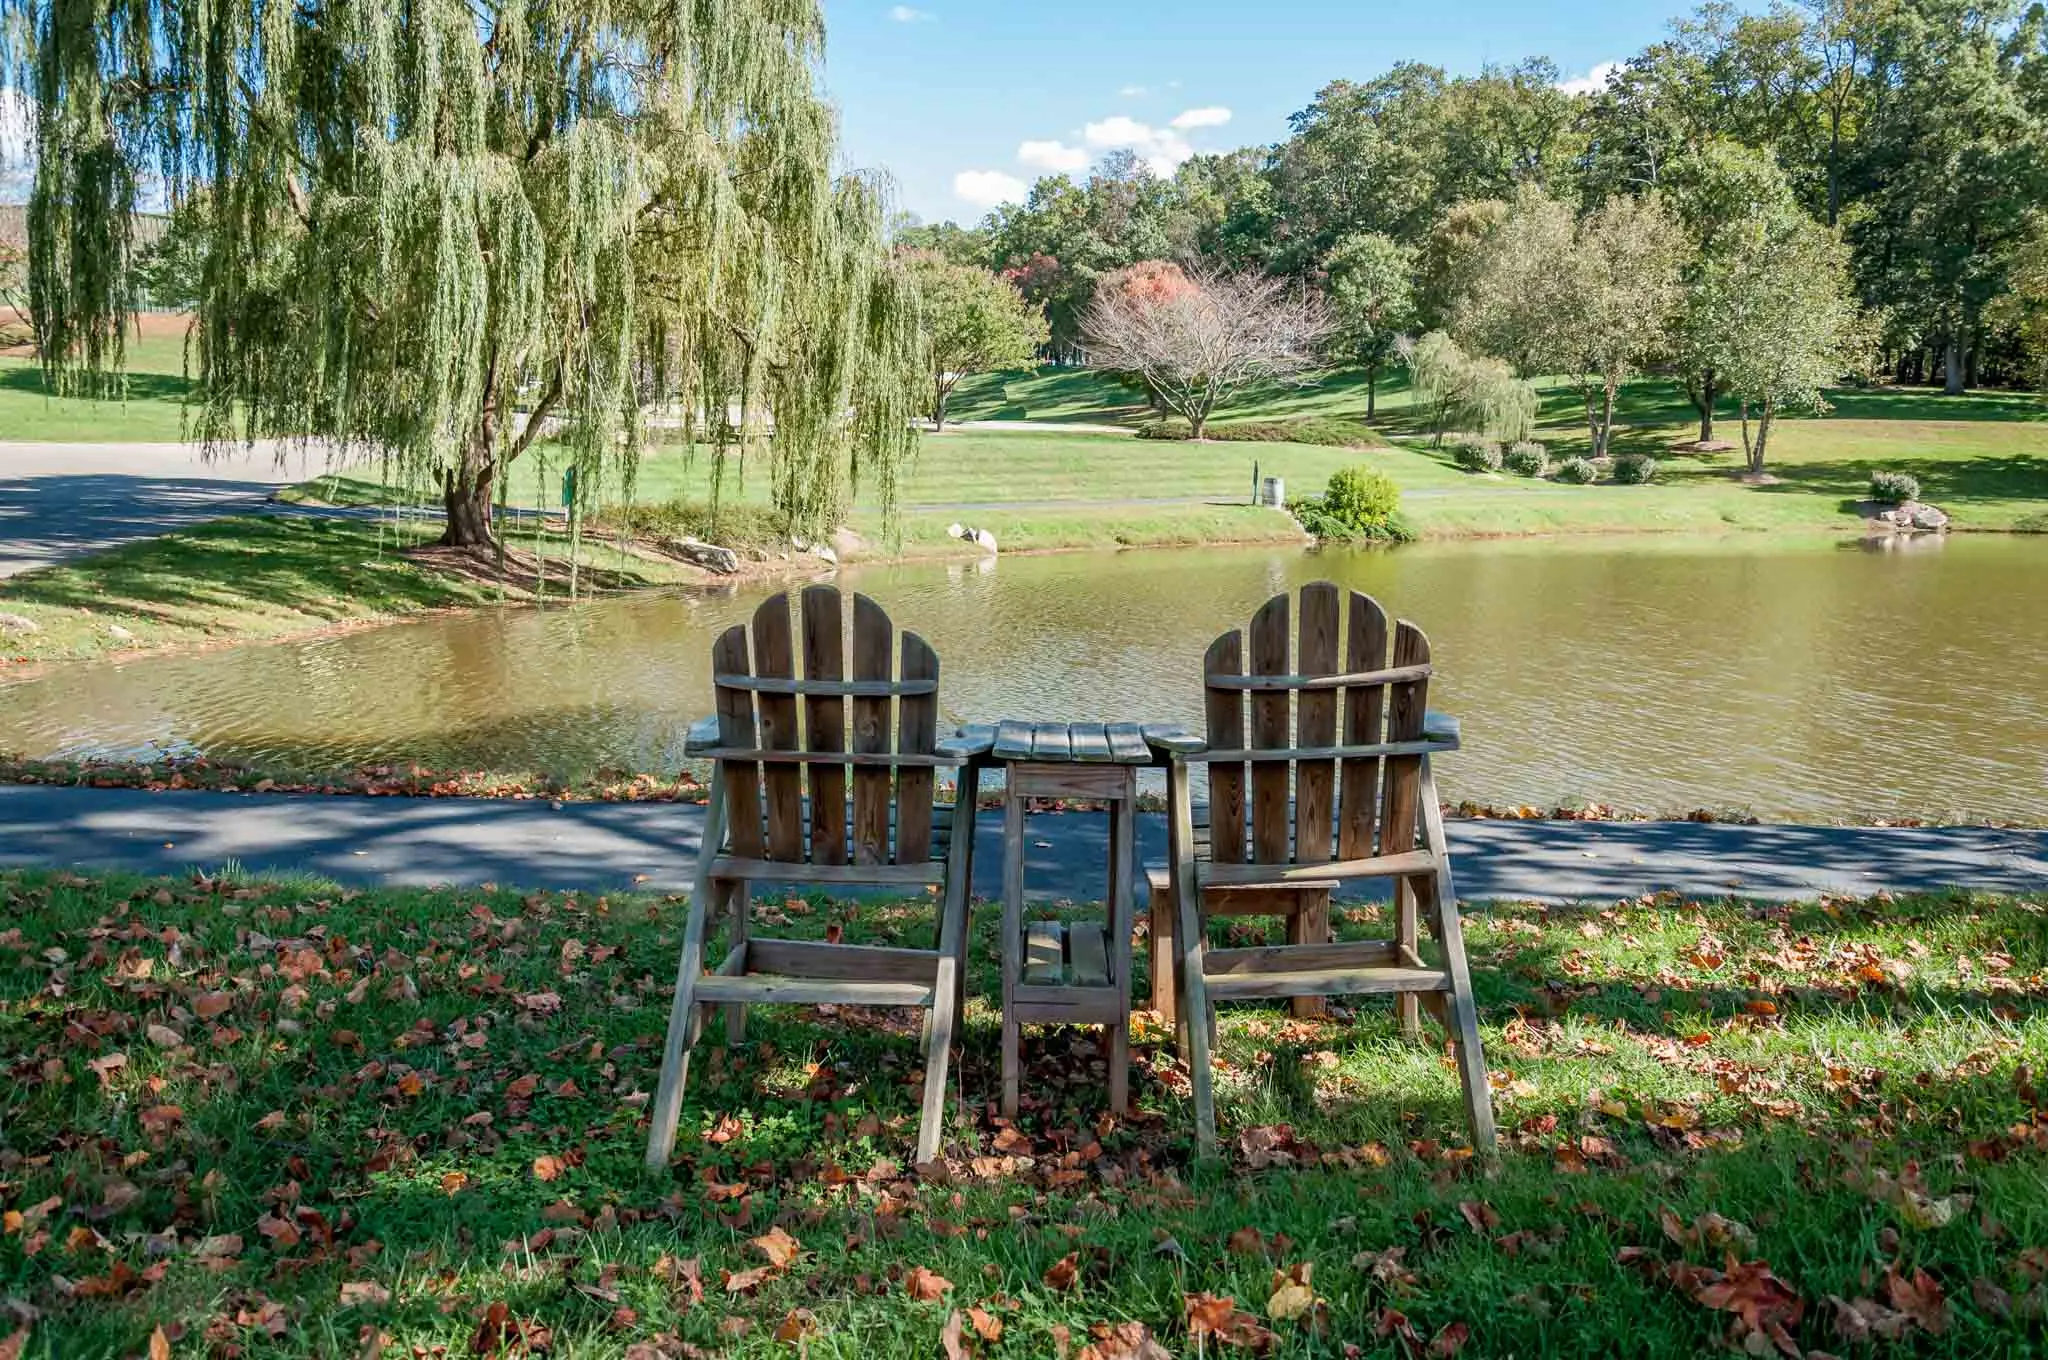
1811	680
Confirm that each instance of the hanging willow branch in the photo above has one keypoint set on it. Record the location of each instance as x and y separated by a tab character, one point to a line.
442	229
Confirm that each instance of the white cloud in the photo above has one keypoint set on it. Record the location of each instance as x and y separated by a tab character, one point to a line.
1054	156
1215	115
17	146
1593	82
904	14
1162	149
986	188
1133	91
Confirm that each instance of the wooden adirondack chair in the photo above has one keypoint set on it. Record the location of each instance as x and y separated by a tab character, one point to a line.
1323	808
771	731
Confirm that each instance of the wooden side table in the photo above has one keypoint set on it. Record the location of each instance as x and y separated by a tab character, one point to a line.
1077	972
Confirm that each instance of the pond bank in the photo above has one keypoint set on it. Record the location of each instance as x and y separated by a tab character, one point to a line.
603	847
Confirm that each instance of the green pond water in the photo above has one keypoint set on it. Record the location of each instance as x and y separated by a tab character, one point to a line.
1803	680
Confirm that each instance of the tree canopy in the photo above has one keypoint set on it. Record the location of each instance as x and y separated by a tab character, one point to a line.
1919	128
973	322
448	228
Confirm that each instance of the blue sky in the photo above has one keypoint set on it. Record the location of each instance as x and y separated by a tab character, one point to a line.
963	100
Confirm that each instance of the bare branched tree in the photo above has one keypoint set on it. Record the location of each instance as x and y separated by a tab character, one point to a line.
1198	347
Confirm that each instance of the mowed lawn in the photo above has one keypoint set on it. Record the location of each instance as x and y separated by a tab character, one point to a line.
287	1118
152	410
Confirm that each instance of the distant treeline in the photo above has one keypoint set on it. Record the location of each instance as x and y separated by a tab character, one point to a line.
1917	129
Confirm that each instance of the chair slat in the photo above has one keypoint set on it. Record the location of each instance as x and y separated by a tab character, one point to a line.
1407	706
1225	717
1268	639
917	733
774	655
874	646
736	730
1365	651
1315	723
825	717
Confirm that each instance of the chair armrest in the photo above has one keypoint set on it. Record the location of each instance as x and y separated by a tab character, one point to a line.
702	737
1171	739
975	739
1440	727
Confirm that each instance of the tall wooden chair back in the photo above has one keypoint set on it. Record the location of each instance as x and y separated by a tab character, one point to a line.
783	722
1304	693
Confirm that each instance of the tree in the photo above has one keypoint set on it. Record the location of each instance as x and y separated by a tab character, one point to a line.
1591	298
1719	191
1478	389
2025	308
973	322
1197	348
1952	159
1372	297
1785	322
445	228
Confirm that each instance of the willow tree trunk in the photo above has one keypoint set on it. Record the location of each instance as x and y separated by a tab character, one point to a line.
466	487
466	499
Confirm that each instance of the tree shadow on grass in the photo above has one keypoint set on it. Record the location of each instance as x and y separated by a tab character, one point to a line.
1944	481
137	386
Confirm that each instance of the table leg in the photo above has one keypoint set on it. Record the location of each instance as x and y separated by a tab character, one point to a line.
1013	943
1122	870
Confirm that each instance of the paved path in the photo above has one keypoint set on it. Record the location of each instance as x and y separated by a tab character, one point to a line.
61	500
604	846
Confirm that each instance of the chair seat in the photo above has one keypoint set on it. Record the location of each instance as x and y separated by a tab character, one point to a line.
1325	982
767	989
1062	954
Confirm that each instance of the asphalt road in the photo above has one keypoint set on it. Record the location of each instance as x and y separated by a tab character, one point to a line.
607	846
61	500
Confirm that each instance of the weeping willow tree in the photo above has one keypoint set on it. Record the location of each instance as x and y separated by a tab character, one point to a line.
444	229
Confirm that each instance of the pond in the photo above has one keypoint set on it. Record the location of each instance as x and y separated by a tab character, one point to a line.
1805	680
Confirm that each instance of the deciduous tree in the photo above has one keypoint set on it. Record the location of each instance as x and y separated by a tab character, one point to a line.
973	322
1372	299
1197	348
1592	298
1783	319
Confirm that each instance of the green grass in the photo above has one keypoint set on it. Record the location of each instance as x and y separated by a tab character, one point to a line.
153	410
254	576
417	1116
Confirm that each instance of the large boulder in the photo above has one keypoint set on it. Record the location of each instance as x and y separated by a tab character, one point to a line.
18	623
1914	517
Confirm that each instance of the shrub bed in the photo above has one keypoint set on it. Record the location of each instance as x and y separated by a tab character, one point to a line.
1358	505
1894	488
1328	431
1527	459
1635	469
1477	455
1578	471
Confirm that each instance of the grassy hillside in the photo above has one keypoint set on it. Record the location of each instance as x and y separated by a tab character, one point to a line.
153	410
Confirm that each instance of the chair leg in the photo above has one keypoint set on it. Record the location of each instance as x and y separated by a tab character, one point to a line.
1159	950
1013	945
738	908
945	986
1194	992
1407	1009
1464	1011
675	1058
1122	867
